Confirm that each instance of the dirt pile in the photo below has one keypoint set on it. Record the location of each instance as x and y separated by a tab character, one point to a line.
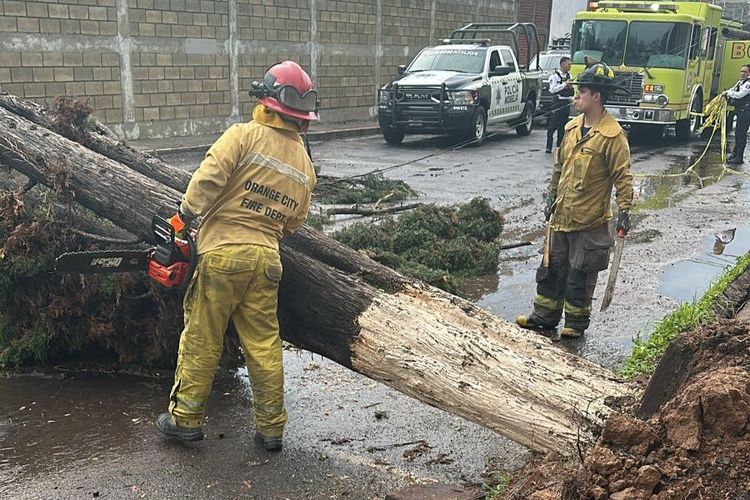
692	439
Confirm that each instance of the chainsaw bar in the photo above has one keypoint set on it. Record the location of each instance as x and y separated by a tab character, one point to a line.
103	261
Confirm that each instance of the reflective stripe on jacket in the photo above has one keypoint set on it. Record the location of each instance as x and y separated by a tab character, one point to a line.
588	168
253	185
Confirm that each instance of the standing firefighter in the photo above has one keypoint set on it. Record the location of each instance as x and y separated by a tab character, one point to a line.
253	186
561	89
739	97
594	157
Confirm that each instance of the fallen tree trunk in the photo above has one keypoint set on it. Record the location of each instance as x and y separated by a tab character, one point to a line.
81	220
101	140
42	115
333	301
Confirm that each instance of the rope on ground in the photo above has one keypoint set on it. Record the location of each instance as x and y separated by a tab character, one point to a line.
715	116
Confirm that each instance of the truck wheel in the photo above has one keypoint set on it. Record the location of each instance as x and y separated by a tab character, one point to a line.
393	136
528	119
478	129
682	130
688	128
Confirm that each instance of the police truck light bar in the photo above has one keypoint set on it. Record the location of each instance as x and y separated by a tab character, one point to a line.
635	6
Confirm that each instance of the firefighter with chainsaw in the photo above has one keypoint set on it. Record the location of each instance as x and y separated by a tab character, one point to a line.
739	97
562	90
594	157
253	186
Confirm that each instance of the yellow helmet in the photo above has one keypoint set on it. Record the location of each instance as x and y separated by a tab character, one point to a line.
601	77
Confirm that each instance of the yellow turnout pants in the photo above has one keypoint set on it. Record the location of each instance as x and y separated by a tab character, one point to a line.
237	282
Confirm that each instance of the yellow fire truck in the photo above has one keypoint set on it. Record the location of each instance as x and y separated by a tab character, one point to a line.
669	55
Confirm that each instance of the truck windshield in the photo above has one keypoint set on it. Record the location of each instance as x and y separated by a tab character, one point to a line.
604	41
657	45
461	60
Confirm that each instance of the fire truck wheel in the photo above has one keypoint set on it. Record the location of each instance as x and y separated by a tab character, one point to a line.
688	128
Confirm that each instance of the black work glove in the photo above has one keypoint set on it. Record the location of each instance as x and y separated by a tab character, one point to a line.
623	222
549	208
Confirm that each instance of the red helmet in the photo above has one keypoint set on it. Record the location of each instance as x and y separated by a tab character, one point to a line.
289	90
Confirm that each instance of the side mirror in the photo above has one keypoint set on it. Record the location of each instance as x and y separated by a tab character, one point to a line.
401	69
501	71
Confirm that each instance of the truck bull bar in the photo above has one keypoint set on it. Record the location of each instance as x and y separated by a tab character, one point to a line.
429	112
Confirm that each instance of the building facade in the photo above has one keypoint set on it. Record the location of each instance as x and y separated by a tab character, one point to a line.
157	68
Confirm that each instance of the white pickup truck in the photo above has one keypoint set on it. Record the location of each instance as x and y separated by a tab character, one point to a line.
464	87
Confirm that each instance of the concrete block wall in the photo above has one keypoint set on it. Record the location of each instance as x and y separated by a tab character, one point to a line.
158	68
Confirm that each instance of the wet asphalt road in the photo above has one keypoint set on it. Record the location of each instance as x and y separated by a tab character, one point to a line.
673	227
347	436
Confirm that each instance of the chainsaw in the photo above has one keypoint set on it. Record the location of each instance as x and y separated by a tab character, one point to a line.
170	263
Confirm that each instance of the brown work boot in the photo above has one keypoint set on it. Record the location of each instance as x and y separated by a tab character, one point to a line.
571	333
166	424
532	323
269	443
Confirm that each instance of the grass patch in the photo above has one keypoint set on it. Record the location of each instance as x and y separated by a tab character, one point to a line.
438	245
688	315
496	485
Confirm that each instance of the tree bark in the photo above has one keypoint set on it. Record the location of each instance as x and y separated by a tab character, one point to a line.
81	220
424	342
101	140
42	115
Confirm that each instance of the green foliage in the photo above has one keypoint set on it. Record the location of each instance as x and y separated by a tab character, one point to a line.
357	190
478	222
646	354
318	221
48	318
89	123
367	236
496	485
437	245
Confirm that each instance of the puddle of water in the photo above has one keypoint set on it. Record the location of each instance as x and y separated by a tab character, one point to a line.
687	280
514	295
663	192
49	423
476	287
95	425
510	292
